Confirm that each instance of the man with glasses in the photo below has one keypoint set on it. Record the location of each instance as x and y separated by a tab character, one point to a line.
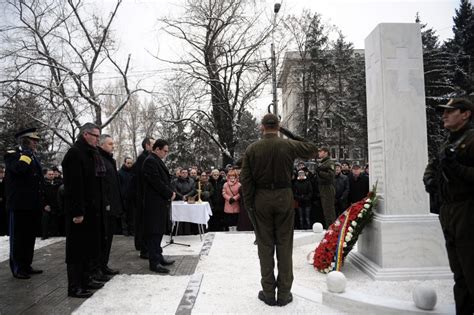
84	172
157	197
24	185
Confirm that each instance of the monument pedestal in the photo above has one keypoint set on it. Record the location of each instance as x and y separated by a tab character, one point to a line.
402	247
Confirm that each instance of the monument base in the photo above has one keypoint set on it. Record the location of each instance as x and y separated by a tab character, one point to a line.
402	247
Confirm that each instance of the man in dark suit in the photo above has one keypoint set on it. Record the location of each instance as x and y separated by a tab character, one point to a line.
137	191
24	193
157	197
84	173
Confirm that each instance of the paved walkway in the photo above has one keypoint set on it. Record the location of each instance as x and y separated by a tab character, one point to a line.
47	293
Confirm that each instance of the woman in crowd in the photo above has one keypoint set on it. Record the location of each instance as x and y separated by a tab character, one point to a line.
231	195
216	222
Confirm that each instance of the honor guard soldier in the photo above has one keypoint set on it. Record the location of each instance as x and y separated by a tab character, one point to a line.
24	186
451	175
266	182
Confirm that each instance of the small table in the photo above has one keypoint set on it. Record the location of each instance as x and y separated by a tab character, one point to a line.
198	213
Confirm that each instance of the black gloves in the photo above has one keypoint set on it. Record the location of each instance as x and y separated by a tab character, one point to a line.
231	200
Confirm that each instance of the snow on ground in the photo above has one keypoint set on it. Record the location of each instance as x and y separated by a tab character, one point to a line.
231	281
5	245
137	294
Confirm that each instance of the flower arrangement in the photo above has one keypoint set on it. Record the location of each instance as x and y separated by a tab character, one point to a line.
342	235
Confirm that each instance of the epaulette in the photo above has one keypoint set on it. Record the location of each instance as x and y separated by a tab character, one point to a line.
11	151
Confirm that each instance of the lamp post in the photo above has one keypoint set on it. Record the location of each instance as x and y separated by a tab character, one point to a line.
276	8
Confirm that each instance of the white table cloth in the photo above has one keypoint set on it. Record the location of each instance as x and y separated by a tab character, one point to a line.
195	213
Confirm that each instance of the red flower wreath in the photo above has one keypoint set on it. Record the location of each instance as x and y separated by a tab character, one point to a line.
342	235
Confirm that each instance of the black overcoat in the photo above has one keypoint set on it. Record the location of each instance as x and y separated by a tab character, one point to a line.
112	192
157	193
83	196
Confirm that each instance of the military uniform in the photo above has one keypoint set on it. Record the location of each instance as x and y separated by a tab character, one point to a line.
266	183
24	194
451	175
327	189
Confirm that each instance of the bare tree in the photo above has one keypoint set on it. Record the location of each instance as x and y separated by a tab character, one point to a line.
57	51
225	59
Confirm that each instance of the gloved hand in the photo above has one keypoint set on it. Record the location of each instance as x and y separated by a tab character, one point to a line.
231	200
430	184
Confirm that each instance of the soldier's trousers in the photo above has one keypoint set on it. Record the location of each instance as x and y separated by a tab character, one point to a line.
328	196
275	221
22	240
457	220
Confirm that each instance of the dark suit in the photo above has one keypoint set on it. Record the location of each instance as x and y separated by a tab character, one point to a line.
157	193
24	194
137	190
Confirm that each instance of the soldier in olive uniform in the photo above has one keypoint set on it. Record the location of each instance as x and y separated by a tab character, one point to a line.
451	175
327	185
24	194
266	182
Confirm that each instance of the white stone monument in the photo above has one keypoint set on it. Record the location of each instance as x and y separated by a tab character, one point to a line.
404	241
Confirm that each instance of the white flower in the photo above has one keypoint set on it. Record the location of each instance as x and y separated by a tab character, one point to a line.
325	241
360	215
348	238
367	206
337	223
332	265
350	229
345	244
368	200
354	223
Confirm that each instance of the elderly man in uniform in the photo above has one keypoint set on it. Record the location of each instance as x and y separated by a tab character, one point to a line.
24	194
327	185
451	175
266	181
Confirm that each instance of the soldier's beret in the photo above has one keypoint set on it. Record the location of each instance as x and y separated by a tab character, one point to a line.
30	133
270	120
458	103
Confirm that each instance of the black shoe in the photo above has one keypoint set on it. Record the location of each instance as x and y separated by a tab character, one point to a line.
108	271
21	275
283	302
94	285
99	276
160	269
144	255
269	301
79	293
165	262
34	271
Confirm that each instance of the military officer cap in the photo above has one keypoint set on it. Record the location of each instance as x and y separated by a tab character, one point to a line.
270	120
27	133
458	103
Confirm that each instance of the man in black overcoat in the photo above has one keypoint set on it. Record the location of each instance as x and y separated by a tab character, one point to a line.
24	185
137	191
157	197
112	199
84	172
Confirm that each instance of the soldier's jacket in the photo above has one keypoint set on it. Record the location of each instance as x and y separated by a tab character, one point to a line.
326	172
268	164
23	181
455	180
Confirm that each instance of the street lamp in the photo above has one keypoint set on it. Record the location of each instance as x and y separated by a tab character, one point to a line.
276	8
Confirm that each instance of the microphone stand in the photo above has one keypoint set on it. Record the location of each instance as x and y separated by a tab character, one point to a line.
171	241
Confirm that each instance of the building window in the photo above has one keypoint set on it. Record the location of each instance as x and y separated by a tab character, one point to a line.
333	153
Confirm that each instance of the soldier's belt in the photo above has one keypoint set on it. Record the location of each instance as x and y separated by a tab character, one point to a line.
273	186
